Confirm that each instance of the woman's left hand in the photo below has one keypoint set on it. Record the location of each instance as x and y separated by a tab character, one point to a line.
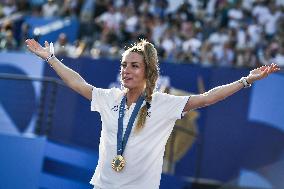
262	72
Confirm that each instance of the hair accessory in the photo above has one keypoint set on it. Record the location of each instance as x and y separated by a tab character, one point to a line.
148	105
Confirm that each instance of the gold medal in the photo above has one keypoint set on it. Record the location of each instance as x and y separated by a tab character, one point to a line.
118	163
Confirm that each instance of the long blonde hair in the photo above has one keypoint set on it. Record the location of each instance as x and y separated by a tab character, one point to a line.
149	53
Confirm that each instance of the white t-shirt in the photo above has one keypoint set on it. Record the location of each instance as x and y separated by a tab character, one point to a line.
50	10
260	12
270	26
144	150
235	16
111	20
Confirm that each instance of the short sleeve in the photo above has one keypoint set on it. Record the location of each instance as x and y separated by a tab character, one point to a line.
102	97
171	106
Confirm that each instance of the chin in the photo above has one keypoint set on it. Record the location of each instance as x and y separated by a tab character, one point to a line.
125	85
129	87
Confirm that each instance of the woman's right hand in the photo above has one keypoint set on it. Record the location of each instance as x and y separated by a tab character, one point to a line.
36	48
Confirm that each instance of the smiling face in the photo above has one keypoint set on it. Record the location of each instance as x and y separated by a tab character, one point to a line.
133	71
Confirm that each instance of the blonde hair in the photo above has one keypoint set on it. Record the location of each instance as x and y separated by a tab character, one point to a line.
149	53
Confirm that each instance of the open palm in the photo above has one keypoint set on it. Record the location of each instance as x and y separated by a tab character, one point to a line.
262	72
37	49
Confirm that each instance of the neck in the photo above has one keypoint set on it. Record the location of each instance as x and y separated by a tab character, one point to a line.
133	95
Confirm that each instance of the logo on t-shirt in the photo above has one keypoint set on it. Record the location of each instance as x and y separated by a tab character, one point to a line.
115	108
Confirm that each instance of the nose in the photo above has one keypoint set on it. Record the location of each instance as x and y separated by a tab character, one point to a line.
126	69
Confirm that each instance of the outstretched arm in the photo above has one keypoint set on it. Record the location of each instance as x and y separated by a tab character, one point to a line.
69	76
221	92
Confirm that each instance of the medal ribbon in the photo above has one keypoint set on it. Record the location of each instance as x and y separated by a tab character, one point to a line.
122	140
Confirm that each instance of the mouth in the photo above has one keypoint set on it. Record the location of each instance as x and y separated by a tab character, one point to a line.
127	79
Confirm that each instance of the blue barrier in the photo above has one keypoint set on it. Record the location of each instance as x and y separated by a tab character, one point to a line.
20	161
35	162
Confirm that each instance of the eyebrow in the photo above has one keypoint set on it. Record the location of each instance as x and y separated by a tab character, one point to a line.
124	62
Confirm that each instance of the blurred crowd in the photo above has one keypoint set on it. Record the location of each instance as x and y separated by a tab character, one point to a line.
238	33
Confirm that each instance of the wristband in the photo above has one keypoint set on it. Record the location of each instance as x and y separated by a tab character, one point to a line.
244	81
51	50
49	57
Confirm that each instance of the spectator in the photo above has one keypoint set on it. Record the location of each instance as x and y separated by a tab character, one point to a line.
9	7
77	49
70	8
254	31
24	35
210	8
170	43
279	57
270	21
225	56
159	28
50	9
110	19
8	43
274	53
260	11
131	19
62	46
218	39
192	46
206	55
235	15
160	8
87	11
6	26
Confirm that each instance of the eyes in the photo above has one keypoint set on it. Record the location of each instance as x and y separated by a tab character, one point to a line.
133	65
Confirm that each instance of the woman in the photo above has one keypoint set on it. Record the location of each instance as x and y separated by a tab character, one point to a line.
133	159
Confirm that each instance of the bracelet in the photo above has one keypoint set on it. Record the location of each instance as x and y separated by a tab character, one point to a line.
244	81
49	57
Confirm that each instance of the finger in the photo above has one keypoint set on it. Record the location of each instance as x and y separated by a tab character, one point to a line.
36	45
262	68
269	69
276	69
30	48
277	66
273	65
29	43
46	44
264	73
32	45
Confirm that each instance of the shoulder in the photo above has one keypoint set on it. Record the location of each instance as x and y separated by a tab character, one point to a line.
112	93
102	98
160	97
159	94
